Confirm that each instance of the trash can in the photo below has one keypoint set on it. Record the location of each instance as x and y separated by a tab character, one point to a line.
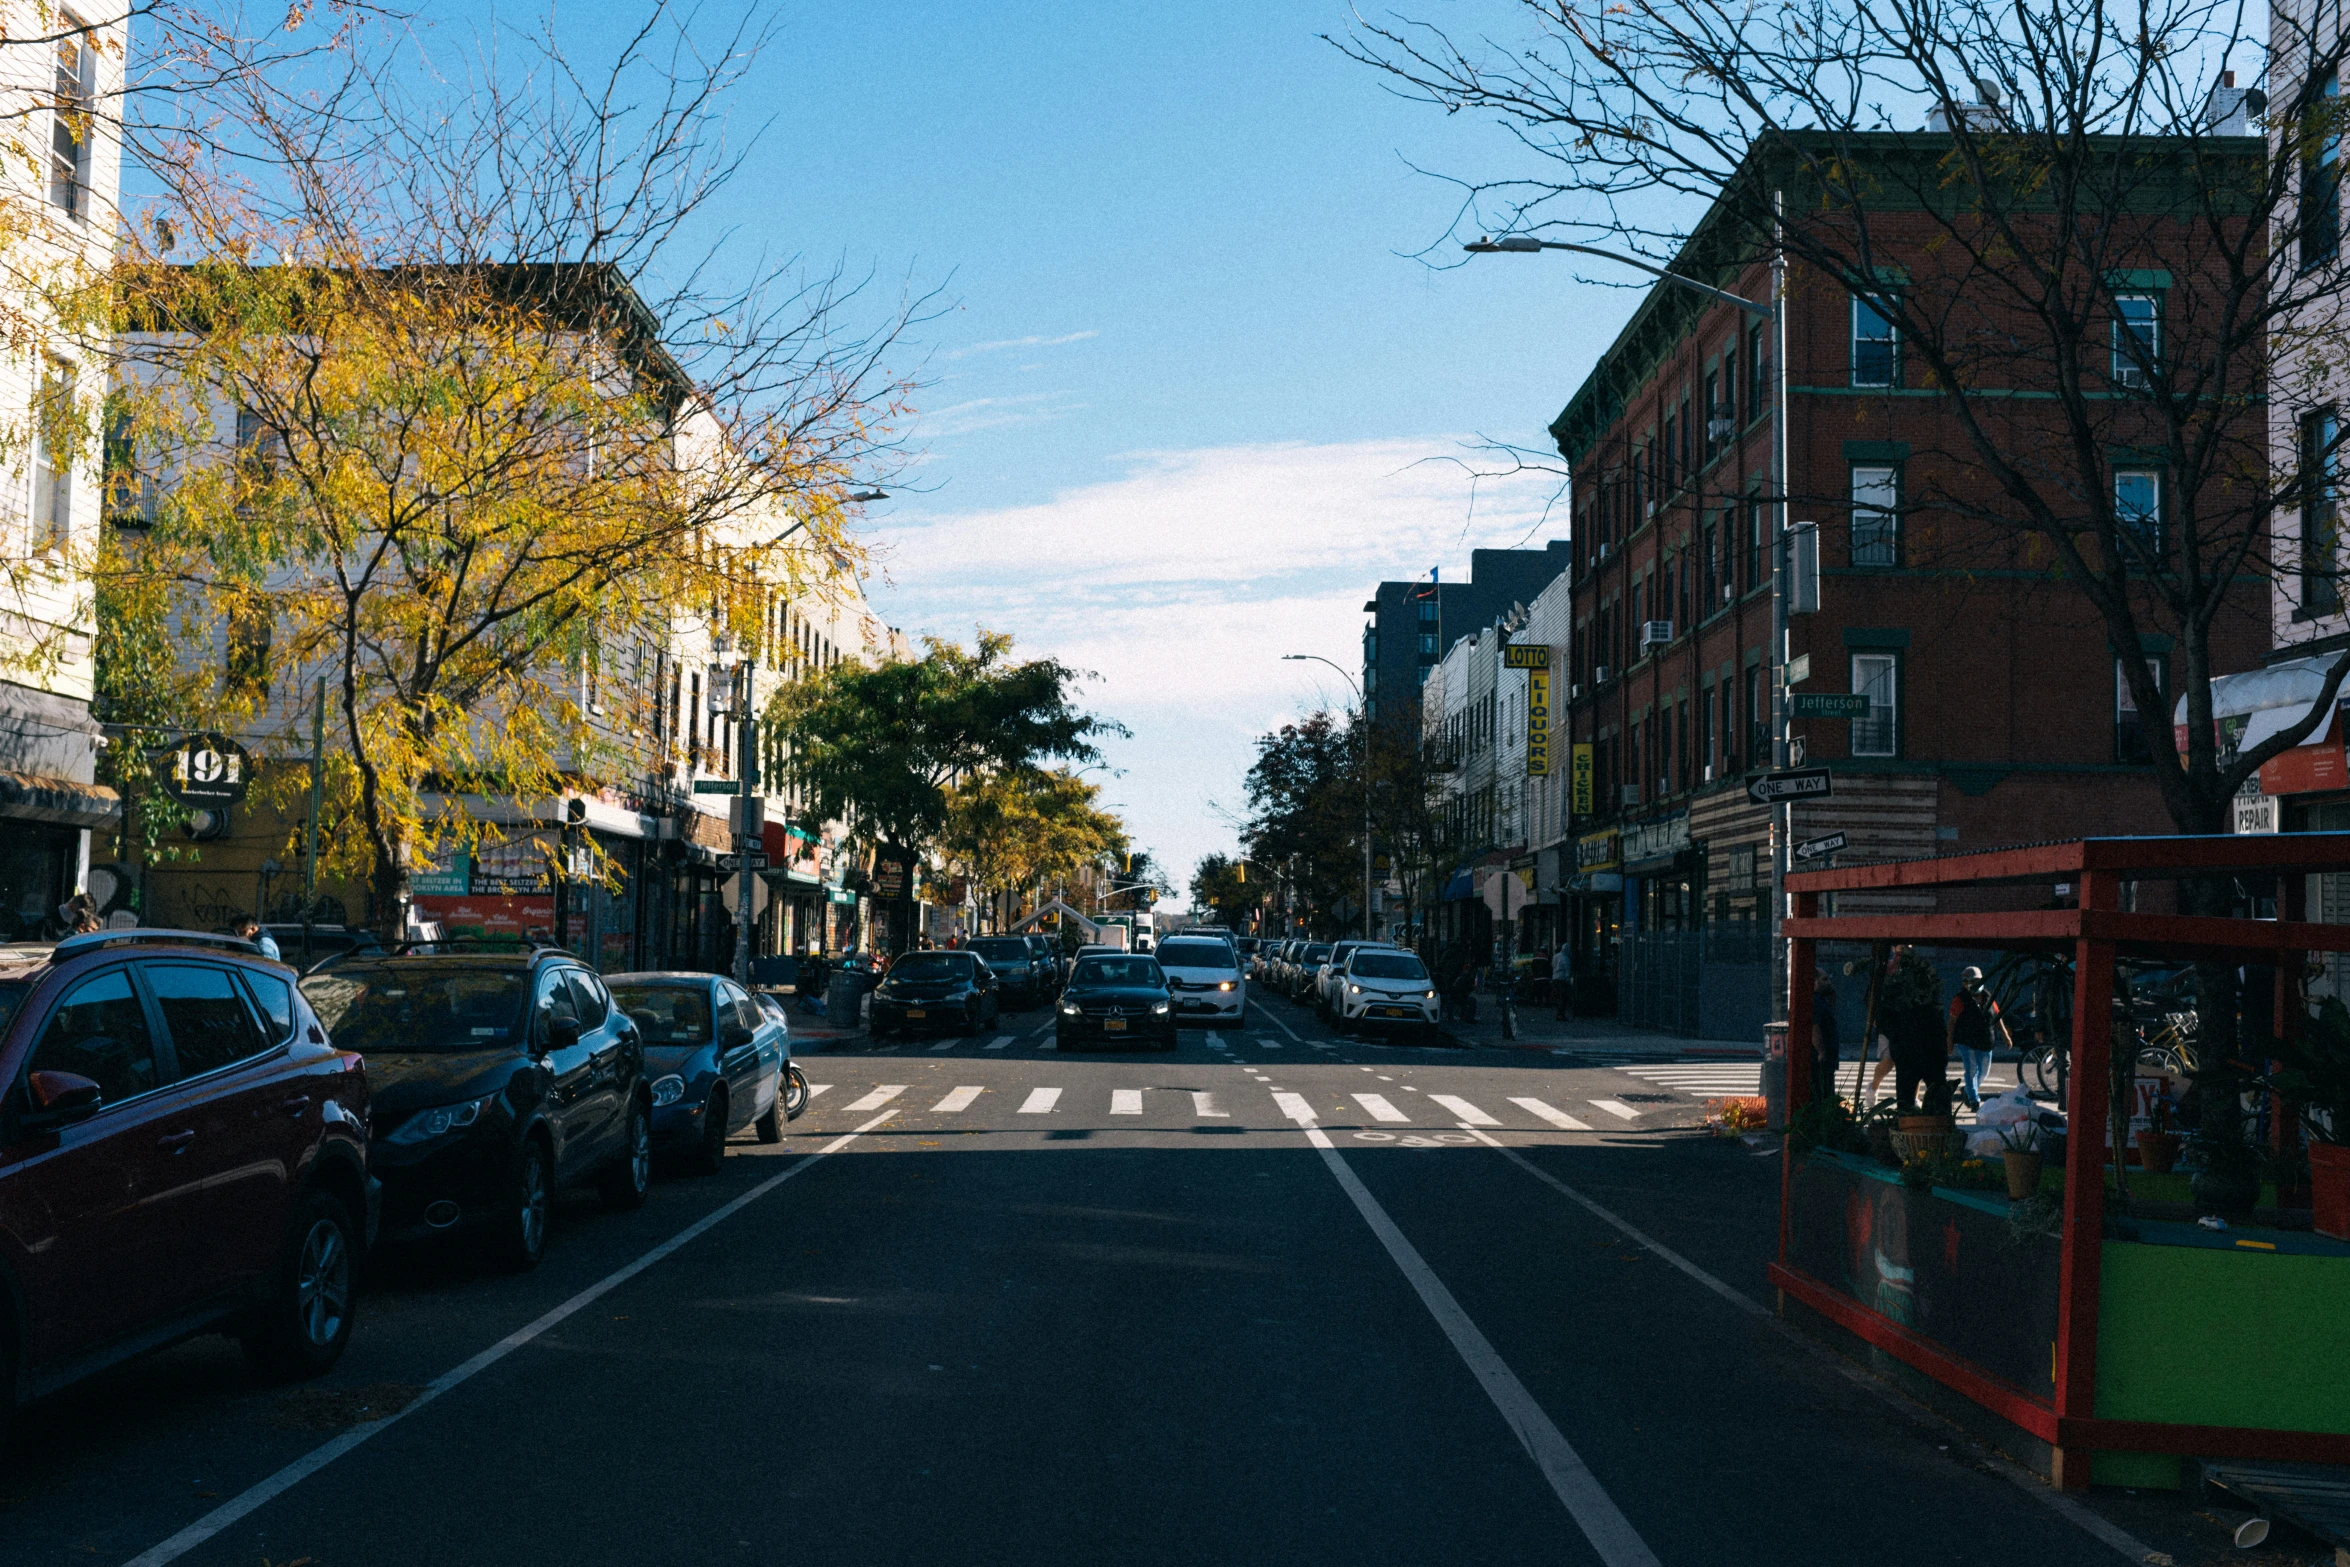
842	998
1774	1076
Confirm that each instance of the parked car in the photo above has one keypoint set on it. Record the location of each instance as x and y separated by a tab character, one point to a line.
499	1079
714	1057
1385	988
795	1082
1023	977
1304	966
182	1151
925	991
1204	978
1326	976
326	941
1115	998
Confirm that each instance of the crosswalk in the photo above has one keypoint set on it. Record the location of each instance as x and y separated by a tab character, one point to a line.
1727	1079
1446	1112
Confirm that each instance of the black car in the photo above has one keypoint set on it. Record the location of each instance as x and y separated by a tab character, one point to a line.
1116	999
925	991
1022	977
498	1080
1048	952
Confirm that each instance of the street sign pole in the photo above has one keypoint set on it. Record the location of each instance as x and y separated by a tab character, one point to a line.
749	771
1781	816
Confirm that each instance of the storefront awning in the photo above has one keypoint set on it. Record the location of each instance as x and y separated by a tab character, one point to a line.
30	797
1463	884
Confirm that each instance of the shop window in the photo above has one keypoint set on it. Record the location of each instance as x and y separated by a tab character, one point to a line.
2130	742
1877	676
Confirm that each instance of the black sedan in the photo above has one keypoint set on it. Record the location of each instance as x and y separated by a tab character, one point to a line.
1116	1000
494	1081
926	991
1025	979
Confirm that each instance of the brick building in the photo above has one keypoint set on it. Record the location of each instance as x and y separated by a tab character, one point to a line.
1995	710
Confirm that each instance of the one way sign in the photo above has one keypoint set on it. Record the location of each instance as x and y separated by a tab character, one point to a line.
1805	783
1820	848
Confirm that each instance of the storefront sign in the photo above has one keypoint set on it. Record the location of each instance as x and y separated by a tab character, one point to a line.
454	879
1526	655
206	772
841	895
2306	769
523	919
1537	721
1652	842
1579	779
2257	812
889	879
1596	852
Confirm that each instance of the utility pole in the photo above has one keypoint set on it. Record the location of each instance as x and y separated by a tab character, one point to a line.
317	795
1781	571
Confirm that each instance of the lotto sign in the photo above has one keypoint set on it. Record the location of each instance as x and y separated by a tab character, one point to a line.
205	771
1537	721
1526	655
1579	779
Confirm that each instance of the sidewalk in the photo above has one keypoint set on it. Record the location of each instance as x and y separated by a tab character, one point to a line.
1538	1029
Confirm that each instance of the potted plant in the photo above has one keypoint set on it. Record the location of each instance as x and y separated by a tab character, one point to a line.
2020	1151
2158	1145
2316	1077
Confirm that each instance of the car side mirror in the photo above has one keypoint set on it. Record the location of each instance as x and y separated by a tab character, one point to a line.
562	1032
736	1036
59	1097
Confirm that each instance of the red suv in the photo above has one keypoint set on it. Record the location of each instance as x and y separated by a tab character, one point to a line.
181	1151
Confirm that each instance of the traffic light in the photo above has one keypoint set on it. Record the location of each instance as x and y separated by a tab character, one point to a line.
1240	872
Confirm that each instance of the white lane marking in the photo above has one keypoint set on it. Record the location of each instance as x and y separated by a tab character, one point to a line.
2064	1506
998	1042
1277	1023
261	1493
879	1097
961	1099
1558	1118
947	1045
1381	1109
1125	1101
1295	1107
1268	1044
1204	1106
1465	1110
1603	1523
1041	1032
1620	1111
816	1088
1040	1101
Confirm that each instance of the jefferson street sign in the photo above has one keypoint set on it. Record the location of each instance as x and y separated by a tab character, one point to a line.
718	786
1820	848
1828	704
1811	783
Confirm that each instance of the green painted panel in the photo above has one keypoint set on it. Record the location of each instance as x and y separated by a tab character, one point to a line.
2224	1338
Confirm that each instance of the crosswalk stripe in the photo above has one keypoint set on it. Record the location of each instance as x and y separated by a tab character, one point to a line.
1040	1101
816	1088
1380	1108
961	1099
1558	1118
1621	1111
944	1044
1125	1101
879	1097
1295	1107
1204	1106
999	1042
1463	1109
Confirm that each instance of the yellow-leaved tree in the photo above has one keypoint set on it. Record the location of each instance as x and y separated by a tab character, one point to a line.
1011	830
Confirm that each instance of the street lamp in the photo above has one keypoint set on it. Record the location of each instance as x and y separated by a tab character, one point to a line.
1771	312
1365	719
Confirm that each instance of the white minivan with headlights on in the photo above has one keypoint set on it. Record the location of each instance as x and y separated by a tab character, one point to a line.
1383	988
1203	979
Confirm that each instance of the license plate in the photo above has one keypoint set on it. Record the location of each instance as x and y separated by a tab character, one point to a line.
1393	1012
916	1012
1113	1025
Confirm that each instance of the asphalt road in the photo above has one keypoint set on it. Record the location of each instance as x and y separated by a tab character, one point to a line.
1273	1297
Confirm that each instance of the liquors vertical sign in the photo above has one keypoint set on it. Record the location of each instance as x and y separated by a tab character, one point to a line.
1534	658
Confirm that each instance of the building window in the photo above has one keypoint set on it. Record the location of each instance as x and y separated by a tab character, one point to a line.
1877	676
2137	338
2130	743
1876	360
2137	511
1716	422
52	461
2321	176
70	127
1729	727
2321	537
1755	542
1758	720
1876	516
1758	371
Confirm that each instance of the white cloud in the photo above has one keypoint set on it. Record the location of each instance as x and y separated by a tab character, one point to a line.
1002	343
1184	580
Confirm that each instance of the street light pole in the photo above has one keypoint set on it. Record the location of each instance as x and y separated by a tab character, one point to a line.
1364	719
1774	316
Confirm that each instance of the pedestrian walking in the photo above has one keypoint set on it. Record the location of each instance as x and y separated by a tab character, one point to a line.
1827	1050
1909	1009
1562	978
1974	1029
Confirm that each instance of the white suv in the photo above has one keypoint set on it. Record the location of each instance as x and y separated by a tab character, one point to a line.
1204	978
1383	987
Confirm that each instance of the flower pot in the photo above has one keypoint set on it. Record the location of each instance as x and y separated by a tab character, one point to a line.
1925	1123
2329	1190
2158	1151
2023	1173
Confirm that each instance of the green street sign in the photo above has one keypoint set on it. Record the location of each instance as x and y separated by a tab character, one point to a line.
718	786
1828	704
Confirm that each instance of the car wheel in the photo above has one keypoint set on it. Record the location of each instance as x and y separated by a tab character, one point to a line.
795	1091
770	1126
520	1239
712	1153
631	1175
302	1330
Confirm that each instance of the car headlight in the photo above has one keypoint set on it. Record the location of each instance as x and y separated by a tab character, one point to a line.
1224	985
1068	1009
439	1121
668	1090
1427	995
1159	1009
1354	990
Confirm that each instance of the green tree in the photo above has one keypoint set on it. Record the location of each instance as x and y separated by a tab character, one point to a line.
882	747
1305	812
1223	891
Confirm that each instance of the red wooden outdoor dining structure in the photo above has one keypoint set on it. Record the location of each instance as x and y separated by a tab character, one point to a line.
2096	932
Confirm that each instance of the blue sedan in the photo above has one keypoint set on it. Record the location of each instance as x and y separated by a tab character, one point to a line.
715	1058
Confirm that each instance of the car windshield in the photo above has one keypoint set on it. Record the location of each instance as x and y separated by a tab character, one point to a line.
390	1008
1388	965
924	966
1319	952
667	1014
1194	954
12	994
998	952
1118	971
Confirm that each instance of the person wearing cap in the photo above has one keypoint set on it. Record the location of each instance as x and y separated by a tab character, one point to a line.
1974	1029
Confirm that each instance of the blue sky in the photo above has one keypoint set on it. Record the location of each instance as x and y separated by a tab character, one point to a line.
1181	416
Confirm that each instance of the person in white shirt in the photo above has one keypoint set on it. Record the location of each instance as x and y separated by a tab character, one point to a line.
1562	977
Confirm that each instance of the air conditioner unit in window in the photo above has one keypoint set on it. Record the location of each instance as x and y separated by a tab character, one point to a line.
1709	772
1655	633
1574	691
1729	591
1603	550
1599	676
